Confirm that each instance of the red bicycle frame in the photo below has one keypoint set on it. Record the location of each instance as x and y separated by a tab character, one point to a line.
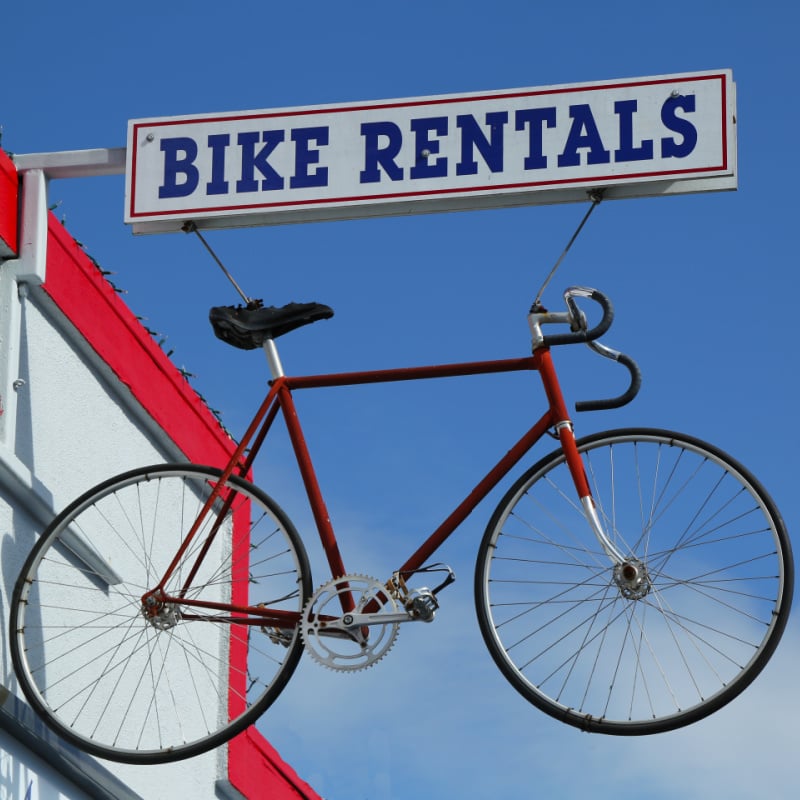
279	398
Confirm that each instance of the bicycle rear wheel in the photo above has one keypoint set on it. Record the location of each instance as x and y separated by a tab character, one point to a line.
130	687
594	650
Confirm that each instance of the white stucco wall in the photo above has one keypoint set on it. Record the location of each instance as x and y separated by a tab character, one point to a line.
72	430
67	426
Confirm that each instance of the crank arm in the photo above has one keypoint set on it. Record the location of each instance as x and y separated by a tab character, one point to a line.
347	623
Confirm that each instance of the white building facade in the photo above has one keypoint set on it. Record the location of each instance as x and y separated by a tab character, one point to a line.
85	393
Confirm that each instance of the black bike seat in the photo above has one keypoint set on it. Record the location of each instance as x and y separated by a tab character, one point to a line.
249	327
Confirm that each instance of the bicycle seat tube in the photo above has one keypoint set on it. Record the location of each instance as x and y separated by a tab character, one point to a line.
273	359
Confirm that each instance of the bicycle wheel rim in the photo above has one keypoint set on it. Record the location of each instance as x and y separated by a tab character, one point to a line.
719	581
128	688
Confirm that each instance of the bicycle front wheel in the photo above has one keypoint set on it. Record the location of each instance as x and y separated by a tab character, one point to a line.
143	688
671	635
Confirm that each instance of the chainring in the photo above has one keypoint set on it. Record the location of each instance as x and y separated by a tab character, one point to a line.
352	649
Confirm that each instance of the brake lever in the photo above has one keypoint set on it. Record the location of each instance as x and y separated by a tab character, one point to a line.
579	327
578	320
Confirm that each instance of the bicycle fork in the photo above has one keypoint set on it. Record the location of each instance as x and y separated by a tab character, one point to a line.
630	574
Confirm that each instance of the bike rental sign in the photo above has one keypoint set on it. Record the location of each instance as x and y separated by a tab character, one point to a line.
632	138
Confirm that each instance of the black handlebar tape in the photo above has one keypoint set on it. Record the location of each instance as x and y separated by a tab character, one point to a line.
623	399
590	335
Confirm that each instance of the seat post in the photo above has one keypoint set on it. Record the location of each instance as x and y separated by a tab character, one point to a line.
273	359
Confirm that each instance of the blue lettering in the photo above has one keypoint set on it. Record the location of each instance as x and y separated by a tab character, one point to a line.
305	156
179	156
218	184
534	119
472	136
252	161
669	147
583	134
425	147
625	109
376	157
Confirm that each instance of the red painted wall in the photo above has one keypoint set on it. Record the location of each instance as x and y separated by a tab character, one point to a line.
9	205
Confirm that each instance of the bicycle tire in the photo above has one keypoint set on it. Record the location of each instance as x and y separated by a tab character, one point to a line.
122	686
589	650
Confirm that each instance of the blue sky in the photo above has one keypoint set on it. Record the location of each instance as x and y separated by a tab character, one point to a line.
705	289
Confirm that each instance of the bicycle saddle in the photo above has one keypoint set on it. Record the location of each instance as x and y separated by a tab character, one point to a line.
248	327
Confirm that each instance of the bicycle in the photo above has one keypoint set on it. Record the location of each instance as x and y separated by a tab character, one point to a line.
630	582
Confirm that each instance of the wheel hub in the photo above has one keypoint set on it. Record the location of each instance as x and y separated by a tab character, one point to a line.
158	612
632	579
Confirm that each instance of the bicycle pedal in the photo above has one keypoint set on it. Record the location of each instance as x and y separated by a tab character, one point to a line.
422	604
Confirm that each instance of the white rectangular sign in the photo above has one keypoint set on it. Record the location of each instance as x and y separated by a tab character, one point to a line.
634	138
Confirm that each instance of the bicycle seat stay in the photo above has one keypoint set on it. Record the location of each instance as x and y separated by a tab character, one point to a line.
249	327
